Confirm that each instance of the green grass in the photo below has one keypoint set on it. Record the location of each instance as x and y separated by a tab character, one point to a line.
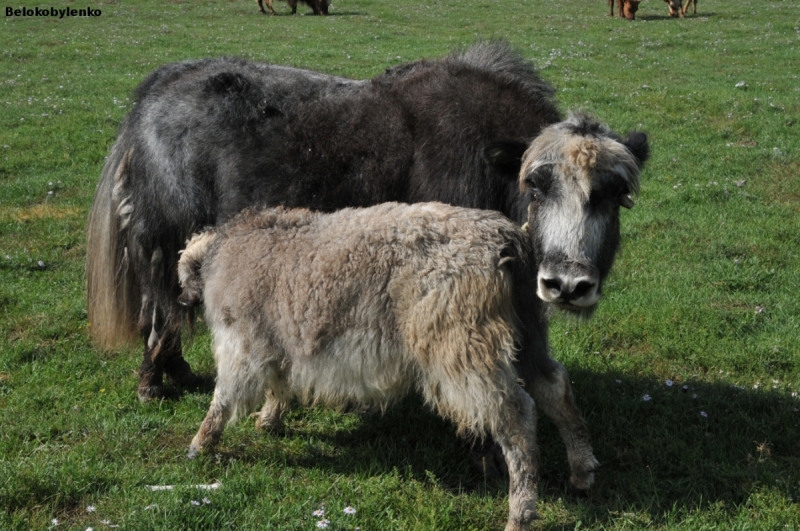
704	294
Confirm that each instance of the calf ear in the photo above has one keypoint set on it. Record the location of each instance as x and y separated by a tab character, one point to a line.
636	142
505	155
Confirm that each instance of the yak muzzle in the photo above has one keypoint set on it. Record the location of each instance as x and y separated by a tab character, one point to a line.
575	293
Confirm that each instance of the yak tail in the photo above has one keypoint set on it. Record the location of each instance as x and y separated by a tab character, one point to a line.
112	290
189	267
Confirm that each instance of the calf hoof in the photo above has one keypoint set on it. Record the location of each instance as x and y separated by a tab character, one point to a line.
194	451
269	425
147	393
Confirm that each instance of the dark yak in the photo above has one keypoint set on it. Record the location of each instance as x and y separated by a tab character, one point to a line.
208	138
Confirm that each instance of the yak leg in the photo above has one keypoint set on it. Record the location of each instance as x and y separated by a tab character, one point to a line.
160	326
516	435
553	395
293	5
610	8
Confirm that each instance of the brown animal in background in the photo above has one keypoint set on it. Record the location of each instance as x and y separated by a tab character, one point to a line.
320	7
675	9
627	8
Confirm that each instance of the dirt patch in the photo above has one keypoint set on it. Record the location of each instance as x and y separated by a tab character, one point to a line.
780	183
36	212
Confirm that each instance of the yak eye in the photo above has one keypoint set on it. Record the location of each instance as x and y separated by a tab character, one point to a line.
539	180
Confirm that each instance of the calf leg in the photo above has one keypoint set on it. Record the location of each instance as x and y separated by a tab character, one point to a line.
242	381
553	395
276	403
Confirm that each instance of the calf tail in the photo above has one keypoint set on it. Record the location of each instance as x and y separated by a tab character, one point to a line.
112	289
189	268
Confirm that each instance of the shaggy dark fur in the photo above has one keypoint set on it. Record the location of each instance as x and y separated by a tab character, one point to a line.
207	138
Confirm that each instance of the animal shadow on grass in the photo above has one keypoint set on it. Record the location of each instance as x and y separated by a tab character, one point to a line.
666	445
662	445
651	18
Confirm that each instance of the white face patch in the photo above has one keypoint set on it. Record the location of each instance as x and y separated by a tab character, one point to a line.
582	154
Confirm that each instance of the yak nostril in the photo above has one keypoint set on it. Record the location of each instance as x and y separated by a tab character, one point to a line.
583	288
552	284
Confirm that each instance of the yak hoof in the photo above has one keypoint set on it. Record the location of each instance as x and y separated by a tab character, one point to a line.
179	373
583	478
150	392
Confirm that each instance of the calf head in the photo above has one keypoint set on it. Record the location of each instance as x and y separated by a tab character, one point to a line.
577	174
674	8
629	8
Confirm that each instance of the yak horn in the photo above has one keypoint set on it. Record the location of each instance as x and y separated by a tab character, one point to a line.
626	201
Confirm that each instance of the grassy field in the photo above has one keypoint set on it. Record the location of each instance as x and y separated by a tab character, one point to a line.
688	374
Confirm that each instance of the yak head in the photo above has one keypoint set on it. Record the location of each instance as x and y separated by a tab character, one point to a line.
575	176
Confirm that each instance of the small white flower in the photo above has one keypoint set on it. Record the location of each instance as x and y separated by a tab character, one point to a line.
704	414
54	521
646	398
91	509
694	396
669	383
319	513
40	264
741	84
323	524
685	387
195	503
90	529
206	501
151	507
349	510
794	394
618	381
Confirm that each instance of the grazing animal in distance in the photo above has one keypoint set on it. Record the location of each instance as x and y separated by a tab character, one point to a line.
686	7
320	7
627	8
675	8
366	305
207	139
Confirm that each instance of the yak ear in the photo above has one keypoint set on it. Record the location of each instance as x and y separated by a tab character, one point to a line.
227	83
505	155
636	142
